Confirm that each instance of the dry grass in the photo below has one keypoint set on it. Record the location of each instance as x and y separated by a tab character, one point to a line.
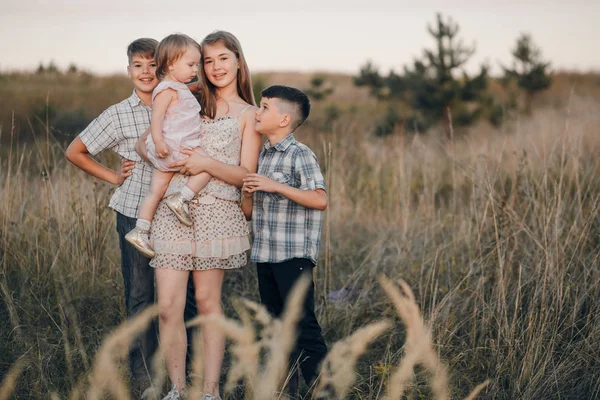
338	367
497	234
265	382
10	379
106	375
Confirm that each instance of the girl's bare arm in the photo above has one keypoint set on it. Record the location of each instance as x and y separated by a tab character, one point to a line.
159	109
232	174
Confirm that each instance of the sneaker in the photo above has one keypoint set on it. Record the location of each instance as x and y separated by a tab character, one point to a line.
173	394
140	240
179	206
208	396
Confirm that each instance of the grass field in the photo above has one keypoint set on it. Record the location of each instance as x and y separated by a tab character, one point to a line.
497	234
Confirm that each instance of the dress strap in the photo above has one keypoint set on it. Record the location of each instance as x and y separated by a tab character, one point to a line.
245	108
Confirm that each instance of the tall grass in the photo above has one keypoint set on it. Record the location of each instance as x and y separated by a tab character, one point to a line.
496	233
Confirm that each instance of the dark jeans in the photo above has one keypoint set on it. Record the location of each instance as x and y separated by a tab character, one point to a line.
275	282
138	280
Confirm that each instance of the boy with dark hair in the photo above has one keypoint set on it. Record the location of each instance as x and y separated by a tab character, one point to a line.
118	128
286	199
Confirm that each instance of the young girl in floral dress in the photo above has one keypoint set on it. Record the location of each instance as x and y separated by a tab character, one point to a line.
218	239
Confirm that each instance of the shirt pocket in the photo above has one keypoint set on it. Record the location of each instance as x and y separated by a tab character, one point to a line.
280	177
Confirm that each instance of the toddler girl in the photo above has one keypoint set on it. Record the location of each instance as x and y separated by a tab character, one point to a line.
175	125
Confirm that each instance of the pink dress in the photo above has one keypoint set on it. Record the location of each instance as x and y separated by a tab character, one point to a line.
181	126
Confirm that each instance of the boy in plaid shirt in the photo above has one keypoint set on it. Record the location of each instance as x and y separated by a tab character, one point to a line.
286	199
118	129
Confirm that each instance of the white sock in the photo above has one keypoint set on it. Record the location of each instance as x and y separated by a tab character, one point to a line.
143	224
187	193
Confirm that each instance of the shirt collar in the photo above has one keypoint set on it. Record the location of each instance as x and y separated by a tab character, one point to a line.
134	100
283	144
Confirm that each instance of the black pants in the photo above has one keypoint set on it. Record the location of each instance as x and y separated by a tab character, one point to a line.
138	280
275	282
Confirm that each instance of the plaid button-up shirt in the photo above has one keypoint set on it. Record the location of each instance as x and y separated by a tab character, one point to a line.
118	128
283	229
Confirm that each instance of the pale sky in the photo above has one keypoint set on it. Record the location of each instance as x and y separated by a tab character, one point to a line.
307	36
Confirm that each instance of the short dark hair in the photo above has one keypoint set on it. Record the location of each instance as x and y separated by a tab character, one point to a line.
144	47
298	99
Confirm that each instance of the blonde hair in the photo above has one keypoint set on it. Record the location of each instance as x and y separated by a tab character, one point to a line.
171	49
206	92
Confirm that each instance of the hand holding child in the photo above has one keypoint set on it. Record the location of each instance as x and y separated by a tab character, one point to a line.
194	164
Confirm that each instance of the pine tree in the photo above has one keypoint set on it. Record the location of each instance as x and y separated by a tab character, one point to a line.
432	85
436	93
529	70
318	89
369	76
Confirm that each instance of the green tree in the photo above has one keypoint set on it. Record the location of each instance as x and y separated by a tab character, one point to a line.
318	90
435	86
529	70
434	90
389	123
52	68
72	69
369	77
332	114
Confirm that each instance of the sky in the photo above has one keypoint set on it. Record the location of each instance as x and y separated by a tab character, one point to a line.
305	36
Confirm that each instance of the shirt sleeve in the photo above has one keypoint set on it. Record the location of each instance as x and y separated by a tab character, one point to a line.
306	167
100	134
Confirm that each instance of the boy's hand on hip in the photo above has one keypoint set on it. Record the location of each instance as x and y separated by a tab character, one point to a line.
254	182
125	171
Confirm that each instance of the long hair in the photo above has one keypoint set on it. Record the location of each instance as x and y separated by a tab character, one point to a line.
171	49
207	92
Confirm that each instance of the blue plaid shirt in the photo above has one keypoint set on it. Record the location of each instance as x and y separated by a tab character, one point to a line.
283	229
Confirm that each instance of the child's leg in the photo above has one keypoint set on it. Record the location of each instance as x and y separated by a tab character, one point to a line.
178	203
158	187
138	283
310	343
268	290
170	288
139	237
194	185
208	297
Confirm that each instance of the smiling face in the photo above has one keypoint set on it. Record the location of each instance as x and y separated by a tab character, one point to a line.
220	65
142	72
186	67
